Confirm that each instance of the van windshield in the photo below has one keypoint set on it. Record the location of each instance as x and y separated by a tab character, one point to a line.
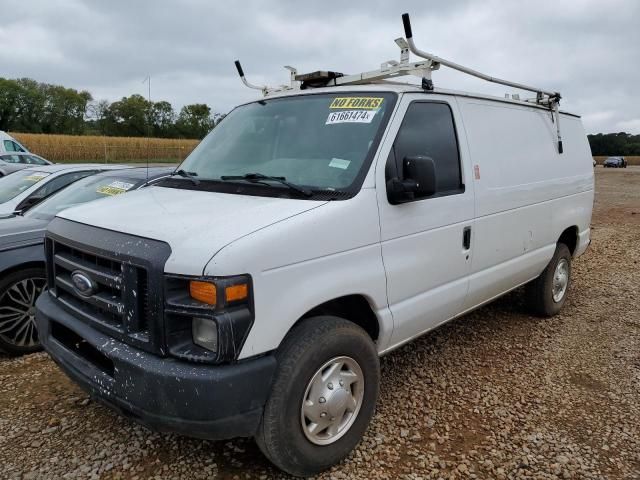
13	185
319	141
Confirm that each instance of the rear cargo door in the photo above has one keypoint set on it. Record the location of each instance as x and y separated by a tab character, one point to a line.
426	242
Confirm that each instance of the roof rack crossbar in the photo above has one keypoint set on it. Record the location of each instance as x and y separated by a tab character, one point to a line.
420	53
552	99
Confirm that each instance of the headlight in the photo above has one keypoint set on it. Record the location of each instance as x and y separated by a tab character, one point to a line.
207	319
205	333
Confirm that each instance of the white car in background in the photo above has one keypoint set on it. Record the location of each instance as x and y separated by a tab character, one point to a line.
10	144
12	162
22	190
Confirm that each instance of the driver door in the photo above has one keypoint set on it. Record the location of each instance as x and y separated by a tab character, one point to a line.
427	242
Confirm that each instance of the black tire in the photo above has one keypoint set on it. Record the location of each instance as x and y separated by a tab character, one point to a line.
18	292
305	350
540	292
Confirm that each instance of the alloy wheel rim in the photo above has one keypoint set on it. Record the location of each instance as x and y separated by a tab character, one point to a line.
560	280
17	312
332	400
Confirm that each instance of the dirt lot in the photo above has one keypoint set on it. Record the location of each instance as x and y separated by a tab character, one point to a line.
496	394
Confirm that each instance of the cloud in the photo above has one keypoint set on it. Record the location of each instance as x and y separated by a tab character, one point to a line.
586	49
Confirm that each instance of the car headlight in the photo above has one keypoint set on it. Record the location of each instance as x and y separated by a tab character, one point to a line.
205	333
207	318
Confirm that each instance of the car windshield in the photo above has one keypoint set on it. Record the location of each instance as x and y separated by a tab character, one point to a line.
82	191
13	185
318	141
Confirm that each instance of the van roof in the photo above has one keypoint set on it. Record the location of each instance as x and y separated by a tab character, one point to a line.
400	87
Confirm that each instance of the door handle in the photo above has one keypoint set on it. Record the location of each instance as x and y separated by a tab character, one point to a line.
466	238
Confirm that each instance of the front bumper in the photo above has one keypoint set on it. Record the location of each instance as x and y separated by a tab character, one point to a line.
165	394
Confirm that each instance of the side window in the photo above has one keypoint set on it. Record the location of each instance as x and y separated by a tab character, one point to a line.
428	130
18	147
11	158
59	183
9	146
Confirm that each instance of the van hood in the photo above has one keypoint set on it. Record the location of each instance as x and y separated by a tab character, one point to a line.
195	224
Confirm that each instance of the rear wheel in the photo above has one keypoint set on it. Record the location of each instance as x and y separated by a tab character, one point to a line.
323	396
18	294
547	293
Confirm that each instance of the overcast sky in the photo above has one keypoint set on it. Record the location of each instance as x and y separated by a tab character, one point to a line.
589	50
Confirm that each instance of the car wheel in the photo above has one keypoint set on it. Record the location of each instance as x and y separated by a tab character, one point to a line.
323	397
547	293
18	294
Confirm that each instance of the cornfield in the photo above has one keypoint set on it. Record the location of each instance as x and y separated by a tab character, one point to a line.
78	149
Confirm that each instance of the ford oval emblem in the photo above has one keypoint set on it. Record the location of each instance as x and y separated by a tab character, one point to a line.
83	284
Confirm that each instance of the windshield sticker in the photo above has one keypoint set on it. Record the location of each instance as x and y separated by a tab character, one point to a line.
367	103
35	177
351	116
339	163
114	188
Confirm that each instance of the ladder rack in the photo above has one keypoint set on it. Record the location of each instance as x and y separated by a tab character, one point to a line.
392	69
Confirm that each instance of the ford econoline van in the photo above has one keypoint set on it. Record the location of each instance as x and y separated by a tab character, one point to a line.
252	293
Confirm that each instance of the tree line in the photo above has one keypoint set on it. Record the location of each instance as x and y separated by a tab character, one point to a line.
603	144
29	106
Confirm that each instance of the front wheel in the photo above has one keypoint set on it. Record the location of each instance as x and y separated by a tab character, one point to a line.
18	294
547	293
323	396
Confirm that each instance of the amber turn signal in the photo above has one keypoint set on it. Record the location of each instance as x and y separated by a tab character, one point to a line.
203	291
234	293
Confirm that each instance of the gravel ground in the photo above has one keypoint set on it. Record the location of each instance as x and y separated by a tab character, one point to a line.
496	394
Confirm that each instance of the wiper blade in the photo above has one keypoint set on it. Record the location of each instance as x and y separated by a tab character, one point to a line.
184	174
259	177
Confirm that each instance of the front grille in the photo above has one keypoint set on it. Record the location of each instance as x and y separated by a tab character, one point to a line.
121	300
126	301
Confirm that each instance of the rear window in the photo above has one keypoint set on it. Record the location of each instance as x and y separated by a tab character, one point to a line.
13	185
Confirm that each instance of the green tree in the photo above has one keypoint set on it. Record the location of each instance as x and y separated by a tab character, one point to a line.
128	117
621	143
195	121
9	93
64	110
29	106
163	119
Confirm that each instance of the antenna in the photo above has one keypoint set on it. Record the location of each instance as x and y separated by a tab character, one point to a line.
148	80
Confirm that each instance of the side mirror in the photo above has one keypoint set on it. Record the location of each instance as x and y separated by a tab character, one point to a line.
418	180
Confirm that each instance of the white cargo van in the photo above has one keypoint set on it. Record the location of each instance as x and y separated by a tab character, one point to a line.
10	144
312	231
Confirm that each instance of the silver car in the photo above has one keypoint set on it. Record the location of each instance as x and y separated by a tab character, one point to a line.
14	161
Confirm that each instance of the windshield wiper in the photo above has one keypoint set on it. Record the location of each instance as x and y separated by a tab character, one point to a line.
190	175
259	177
